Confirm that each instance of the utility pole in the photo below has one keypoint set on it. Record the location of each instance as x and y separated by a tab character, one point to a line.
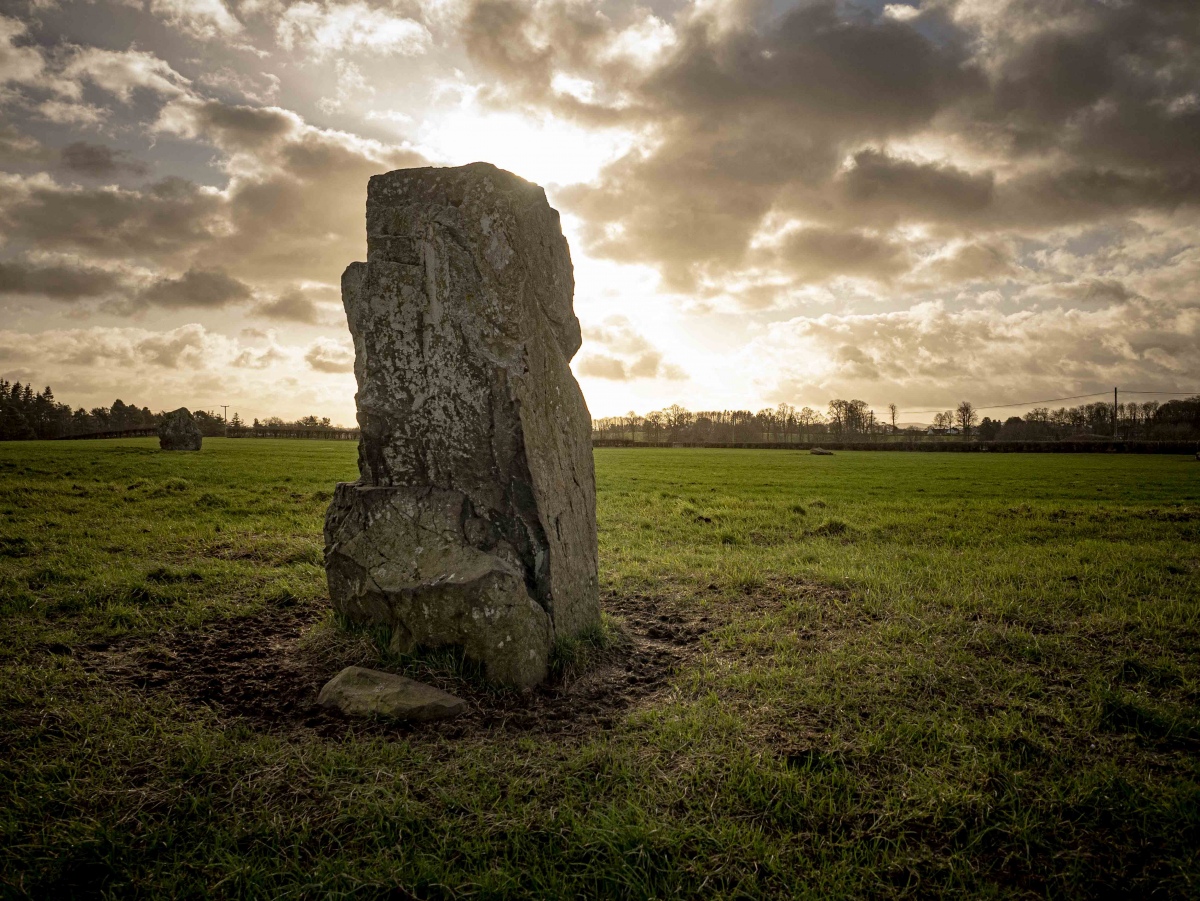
1114	412
225	418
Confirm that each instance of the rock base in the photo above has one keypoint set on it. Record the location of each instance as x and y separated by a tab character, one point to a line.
357	691
420	562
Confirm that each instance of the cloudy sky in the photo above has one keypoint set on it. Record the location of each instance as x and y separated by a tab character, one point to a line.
766	202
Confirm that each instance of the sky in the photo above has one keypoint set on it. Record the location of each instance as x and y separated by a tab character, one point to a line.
767	202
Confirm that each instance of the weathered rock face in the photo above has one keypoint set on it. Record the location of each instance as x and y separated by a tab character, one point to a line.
473	521
178	431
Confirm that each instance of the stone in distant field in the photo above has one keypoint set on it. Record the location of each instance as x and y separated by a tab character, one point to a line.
178	431
357	691
473	523
821	452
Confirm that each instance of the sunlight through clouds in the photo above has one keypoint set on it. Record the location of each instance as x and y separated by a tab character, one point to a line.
543	149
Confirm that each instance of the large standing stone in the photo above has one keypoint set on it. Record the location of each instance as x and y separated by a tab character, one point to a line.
473	521
178	431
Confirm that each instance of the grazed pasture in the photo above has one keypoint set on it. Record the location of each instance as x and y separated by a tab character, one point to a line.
866	675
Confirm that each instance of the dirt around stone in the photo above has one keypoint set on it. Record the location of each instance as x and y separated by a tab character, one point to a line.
257	669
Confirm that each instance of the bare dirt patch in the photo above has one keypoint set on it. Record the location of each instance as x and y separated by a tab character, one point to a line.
260	670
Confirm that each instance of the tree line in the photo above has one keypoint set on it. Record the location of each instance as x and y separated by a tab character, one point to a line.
855	420
29	414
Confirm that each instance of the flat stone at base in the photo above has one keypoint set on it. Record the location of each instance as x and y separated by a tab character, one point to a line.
821	452
357	691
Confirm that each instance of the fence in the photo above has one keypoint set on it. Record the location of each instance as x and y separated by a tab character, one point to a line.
325	434
319	432
1003	447
149	432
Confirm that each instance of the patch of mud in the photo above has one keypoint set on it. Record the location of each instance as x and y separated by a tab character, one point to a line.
258	669
247	667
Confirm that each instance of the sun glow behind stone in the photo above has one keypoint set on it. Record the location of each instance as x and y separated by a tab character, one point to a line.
546	150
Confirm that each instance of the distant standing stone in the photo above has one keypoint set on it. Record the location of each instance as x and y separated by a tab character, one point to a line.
821	452
178	431
357	691
473	522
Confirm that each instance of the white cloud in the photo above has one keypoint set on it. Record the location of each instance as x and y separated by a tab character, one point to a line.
643	44
351	84
204	19
69	112
261	87
23	65
125	71
627	354
329	27
929	353
901	12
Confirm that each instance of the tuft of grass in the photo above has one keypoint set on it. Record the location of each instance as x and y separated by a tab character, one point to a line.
575	655
164	576
831	528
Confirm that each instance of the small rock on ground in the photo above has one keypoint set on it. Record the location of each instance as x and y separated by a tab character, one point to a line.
821	452
357	691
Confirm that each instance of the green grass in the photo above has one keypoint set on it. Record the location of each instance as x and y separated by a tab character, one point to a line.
929	675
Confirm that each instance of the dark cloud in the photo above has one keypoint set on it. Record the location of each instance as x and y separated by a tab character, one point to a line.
974	261
1066	111
822	67
235	127
525	46
756	119
293	306
168	218
292	208
1071	194
182	347
201	288
602	366
817	254
888	188
1107	83
100	161
57	281
325	355
648	365
17	148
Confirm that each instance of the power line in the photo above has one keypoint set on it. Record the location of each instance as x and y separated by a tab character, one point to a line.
1050	400
1027	403
1171	393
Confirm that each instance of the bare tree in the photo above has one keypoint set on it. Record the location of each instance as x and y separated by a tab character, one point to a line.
808	417
893	409
966	417
787	418
678	419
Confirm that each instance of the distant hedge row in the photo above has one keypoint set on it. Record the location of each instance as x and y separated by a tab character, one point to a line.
1002	447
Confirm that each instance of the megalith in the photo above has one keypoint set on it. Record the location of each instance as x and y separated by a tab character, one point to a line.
473	522
178	431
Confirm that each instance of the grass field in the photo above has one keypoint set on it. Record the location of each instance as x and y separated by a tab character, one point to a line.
866	675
